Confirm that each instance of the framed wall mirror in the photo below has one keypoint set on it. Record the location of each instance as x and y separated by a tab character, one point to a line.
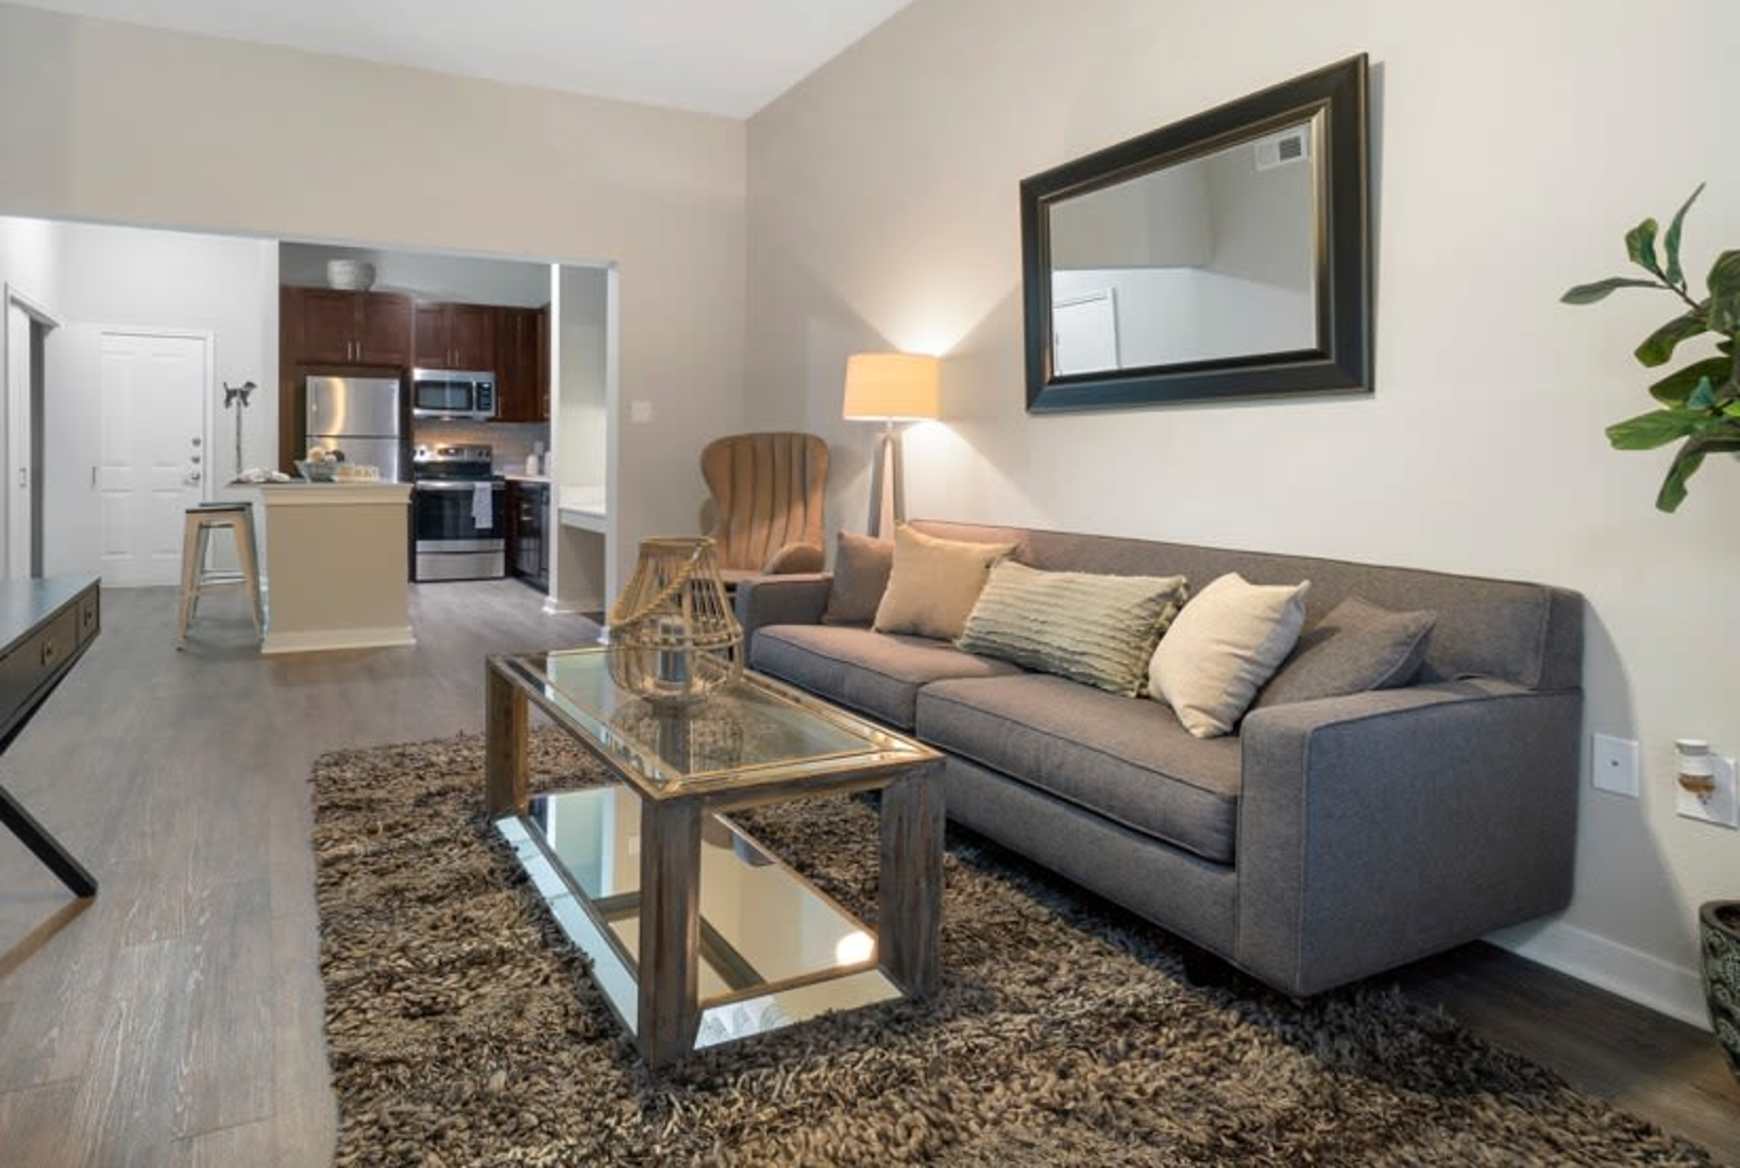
1226	255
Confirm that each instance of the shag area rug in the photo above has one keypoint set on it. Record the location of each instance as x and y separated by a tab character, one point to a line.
463	1029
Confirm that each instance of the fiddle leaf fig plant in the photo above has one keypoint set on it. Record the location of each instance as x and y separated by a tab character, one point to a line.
1699	404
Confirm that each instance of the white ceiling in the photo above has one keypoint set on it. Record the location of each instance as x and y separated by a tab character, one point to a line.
718	56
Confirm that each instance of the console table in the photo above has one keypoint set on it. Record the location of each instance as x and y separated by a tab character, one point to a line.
45	625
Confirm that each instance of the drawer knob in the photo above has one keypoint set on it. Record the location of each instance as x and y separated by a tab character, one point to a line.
47	652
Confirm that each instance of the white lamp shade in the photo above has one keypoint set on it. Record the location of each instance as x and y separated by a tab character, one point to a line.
892	386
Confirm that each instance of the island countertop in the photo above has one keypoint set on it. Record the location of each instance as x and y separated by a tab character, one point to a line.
361	492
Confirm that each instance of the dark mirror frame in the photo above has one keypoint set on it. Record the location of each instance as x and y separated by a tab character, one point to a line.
1342	359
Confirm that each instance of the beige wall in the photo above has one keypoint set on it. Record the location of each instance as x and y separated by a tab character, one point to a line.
1514	144
111	122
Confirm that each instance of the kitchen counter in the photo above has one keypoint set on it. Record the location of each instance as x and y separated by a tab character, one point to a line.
338	558
583	507
360	491
516	477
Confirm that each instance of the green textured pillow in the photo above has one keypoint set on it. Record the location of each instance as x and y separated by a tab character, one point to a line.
1098	630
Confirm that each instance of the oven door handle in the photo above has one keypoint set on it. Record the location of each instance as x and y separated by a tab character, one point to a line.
426	485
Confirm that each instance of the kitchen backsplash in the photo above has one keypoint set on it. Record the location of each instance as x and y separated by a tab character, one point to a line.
510	441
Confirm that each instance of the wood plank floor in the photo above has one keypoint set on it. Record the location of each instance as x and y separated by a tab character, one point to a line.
176	1020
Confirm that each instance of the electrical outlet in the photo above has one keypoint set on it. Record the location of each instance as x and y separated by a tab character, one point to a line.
1613	764
640	411
1719	806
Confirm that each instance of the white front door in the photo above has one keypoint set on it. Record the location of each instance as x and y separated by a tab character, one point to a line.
1084	333
151	454
18	375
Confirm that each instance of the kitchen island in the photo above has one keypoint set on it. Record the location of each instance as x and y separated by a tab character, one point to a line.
337	566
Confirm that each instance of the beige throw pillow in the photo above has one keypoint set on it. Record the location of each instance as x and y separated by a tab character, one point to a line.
934	583
1222	647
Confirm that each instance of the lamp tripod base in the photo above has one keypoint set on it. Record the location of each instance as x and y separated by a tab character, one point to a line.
887	484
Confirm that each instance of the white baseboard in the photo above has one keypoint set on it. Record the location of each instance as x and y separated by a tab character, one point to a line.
320	640
555	607
1631	973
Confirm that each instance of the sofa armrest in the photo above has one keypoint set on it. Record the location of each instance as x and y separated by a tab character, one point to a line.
798	599
1378	828
794	558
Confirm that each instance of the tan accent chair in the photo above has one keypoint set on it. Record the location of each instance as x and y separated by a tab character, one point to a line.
768	491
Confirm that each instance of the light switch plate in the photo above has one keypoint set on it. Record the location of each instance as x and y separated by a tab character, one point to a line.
1613	764
640	411
1720	808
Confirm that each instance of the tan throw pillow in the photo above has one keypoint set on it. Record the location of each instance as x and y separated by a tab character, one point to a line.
1222	647
934	583
1099	630
861	565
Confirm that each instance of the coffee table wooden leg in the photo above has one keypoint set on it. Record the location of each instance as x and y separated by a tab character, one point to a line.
505	718
909	921
670	928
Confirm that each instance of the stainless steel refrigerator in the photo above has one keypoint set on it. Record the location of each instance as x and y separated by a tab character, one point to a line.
360	418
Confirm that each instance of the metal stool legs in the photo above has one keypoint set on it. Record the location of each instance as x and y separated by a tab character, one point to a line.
238	518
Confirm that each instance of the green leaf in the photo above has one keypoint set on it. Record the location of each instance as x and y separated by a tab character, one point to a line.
1590	293
1725	346
1676	387
1703	397
1725	313
1640	246
1673	488
1724	277
1660	344
1656	428
1672	241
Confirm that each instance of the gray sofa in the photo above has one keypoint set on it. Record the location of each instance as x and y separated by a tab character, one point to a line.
1327	840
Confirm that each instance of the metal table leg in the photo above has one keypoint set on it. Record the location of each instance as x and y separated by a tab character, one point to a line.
47	849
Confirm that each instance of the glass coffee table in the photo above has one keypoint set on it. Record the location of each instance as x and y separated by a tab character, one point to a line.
698	934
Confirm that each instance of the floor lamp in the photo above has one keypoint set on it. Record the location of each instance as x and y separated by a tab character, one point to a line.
890	388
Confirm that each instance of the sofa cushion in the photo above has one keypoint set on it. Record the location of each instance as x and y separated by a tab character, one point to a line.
1126	758
878	674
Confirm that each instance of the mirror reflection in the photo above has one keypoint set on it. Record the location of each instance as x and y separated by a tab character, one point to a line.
1215	257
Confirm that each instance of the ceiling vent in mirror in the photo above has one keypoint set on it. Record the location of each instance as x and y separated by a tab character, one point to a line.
1283	148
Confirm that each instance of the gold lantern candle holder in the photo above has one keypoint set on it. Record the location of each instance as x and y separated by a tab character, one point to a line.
673	635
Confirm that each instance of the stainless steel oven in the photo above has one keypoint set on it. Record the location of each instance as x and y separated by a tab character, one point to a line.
448	393
458	514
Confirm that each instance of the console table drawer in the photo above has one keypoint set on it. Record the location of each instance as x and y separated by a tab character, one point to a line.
90	616
38	658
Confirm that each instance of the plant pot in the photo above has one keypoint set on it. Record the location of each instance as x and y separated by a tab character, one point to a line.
1719	923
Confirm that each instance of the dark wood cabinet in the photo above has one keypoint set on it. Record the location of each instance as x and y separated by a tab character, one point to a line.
432	347
543	327
384	332
455	336
472	334
516	366
329	327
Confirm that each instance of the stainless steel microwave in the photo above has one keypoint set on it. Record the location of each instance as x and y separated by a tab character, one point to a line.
448	393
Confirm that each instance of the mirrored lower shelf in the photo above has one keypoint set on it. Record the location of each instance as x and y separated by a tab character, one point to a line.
774	949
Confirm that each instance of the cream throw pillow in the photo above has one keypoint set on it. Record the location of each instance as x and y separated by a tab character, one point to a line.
1222	647
934	584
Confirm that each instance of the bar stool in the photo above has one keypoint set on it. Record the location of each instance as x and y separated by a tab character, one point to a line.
195	537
